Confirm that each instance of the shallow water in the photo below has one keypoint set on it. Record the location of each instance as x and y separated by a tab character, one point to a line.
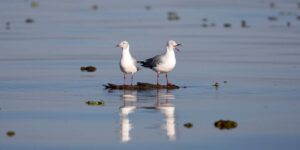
43	92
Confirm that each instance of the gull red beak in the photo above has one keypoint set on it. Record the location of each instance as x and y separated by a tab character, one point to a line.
177	48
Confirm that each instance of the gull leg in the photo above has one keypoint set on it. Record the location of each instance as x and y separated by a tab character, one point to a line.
131	79
168	83
124	79
167	79
157	78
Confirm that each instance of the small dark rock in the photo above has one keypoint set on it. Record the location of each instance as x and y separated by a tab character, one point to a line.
204	25
173	16
225	82
227	25
281	13
148	7
272	18
216	84
95	7
298	17
188	125
88	68
244	24
29	20
204	19
10	133
288	24
7	25
272	5
225	124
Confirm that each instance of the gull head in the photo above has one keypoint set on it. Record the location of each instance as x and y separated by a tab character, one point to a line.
172	44
123	45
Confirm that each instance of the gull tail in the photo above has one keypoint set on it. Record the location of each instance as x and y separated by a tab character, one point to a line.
143	63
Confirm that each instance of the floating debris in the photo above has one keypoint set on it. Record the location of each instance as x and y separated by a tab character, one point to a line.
94	7
272	5
204	25
225	124
88	68
298	5
10	133
7	25
204	20
213	25
148	7
288	24
188	125
298	17
217	84
29	20
227	25
225	82
244	24
95	103
140	86
272	18
173	16
34	4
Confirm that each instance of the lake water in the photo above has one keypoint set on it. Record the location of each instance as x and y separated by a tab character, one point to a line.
43	92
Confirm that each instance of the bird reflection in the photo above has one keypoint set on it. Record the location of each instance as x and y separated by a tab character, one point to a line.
129	102
164	105
128	99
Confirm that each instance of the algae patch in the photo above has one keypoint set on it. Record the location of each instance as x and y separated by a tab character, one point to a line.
188	125
226	124
95	103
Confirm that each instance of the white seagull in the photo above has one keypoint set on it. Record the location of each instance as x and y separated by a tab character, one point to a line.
163	63
128	64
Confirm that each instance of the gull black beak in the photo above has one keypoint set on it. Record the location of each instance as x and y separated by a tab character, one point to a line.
118	45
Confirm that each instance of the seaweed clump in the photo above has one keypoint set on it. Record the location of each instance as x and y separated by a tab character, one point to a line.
173	16
95	103
188	125
225	124
10	133
88	68
139	86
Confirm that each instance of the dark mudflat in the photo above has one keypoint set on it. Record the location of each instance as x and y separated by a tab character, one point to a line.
139	86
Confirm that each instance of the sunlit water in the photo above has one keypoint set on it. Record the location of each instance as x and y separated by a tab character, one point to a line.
43	92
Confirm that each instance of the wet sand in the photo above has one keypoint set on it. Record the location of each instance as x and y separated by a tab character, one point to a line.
43	93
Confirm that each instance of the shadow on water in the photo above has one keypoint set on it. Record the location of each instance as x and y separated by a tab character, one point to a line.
133	100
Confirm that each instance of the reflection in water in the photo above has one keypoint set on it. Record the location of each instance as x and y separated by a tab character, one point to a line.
169	111
128	99
129	104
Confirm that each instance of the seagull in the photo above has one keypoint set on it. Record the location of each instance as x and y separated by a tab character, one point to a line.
128	64
163	63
